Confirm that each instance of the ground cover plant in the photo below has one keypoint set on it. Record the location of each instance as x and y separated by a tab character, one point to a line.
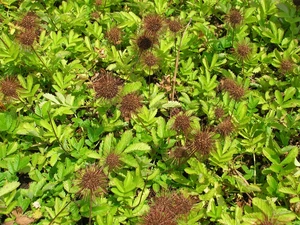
149	112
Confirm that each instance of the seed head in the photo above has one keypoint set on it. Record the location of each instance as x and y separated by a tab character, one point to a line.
150	59
130	104
167	209
243	51
234	17
225	127
113	161
106	86
114	35
92	181
268	221
179	154
235	90
153	23
98	2
203	142
29	21
296	2
174	25
27	37
286	66
182	123
9	87
219	112
145	42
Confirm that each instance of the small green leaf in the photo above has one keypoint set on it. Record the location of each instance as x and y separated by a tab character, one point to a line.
9	187
137	147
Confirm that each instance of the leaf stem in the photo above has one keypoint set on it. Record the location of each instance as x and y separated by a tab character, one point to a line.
55	134
177	61
41	59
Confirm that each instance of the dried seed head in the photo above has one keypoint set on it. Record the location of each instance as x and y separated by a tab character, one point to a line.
219	112
234	17
27	37
130	104
150	59
174	25
113	161
286	66
243	50
114	35
9	87
268	221
153	23
98	2
95	15
235	90
203	142
29	21
181	205
182	123
106	86
225	127
145	42
167	209
92	181
174	111
296	2
179	154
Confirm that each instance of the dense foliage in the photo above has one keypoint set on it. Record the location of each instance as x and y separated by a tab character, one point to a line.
149	112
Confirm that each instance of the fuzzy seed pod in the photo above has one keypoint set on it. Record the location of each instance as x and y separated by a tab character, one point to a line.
114	36
153	23
150	59
113	161
179	154
167	209
203	143
106	86
98	2
243	51
286	66
145	42
27	37
225	127
29	21
130	104
182	123
235	90
234	17
219	112
296	2
9	87
174	25
92	181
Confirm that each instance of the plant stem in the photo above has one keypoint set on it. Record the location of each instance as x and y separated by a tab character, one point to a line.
59	213
177	61
4	43
90	215
41	59
55	134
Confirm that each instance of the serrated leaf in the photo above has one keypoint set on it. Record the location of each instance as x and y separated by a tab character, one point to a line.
171	104
125	140
137	147
52	98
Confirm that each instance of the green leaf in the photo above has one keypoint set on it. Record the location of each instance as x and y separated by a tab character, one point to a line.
290	157
289	93
125	140
6	121
137	147
9	187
